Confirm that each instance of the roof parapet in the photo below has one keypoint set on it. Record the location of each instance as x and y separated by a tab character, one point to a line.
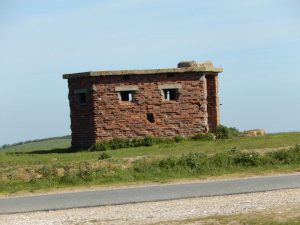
182	67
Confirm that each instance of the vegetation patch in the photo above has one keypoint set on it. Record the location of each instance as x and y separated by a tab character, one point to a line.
221	132
106	169
119	143
233	160
51	163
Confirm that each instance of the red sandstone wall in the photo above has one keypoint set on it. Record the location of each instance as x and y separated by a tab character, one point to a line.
212	101
128	119
106	117
82	121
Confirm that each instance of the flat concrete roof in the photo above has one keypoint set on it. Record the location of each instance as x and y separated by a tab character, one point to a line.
184	67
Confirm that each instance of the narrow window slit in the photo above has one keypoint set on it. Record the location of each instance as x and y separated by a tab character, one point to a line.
81	96
150	117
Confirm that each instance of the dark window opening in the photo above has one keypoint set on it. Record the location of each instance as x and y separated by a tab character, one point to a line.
127	96
150	117
171	94
126	77
170	75
81	98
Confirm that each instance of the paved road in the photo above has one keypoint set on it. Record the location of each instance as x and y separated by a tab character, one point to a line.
144	194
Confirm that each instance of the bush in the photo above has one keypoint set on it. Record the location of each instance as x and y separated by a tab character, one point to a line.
296	149
204	137
148	141
220	161
104	155
137	142
100	146
47	170
281	156
86	171
118	143
233	132
246	159
289	156
193	161
178	138
168	163
141	166
223	132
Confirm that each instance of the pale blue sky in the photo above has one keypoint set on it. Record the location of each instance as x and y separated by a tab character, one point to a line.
257	42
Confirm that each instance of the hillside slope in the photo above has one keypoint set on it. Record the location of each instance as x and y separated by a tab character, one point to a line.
51	164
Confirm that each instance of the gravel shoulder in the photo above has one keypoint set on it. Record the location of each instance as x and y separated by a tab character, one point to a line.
164	211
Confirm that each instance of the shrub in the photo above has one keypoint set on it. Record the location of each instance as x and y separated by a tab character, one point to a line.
137	142
141	166
117	143
281	156
178	138
100	146
85	171
223	132
104	155
246	159
233	132
204	137
47	170
220	161
296	149
193	161
72	179
168	163
148	141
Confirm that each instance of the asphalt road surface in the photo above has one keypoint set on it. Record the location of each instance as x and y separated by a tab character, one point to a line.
145	194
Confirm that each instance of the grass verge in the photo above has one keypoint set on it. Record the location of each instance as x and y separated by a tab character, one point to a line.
187	165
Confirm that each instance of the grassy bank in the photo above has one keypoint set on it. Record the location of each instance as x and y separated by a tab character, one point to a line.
51	167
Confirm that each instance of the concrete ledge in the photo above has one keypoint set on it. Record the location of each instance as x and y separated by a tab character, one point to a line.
143	72
127	88
170	86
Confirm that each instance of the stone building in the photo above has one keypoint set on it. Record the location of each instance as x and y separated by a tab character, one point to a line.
137	103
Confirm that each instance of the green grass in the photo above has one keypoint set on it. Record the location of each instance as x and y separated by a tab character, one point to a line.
41	157
248	143
55	150
60	143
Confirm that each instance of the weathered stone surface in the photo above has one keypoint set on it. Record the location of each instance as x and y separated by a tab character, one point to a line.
255	132
206	65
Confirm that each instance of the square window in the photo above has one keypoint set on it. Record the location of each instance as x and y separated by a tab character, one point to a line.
127	96
171	94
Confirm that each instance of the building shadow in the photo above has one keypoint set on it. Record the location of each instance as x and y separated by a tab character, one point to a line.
50	151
